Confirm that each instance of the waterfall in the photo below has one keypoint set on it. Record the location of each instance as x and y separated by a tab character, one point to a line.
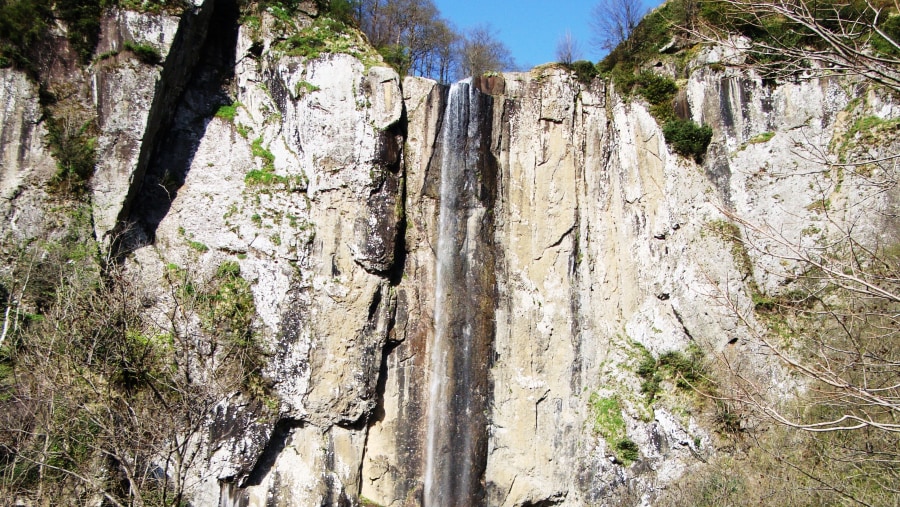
459	386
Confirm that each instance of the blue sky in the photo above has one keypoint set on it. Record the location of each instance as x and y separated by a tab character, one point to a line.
530	28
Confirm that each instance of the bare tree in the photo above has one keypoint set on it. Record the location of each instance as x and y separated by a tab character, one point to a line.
567	49
834	326
412	34
850	294
481	52
612	21
103	400
810	39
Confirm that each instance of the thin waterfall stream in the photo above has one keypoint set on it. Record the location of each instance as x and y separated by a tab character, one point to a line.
459	384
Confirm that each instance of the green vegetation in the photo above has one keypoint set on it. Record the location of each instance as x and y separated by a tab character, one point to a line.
228	112
660	92
325	35
761	138
172	7
73	145
258	150
196	245
143	52
365	502
609	423
26	24
890	26
864	132
266	175
302	88
685	370
585	71
687	138
654	30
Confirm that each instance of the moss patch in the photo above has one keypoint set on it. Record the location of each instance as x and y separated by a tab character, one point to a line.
606	414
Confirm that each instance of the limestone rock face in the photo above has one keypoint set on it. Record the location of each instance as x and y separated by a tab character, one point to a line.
123	89
321	180
26	163
303	189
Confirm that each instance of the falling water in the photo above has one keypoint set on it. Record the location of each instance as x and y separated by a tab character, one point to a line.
464	300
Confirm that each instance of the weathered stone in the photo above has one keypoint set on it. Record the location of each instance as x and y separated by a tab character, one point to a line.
593	243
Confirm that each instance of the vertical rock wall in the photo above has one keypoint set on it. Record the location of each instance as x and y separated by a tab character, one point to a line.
587	243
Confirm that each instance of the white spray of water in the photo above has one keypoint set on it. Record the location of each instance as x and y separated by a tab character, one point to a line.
449	250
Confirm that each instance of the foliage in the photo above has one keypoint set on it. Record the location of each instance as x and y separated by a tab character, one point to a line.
655	88
585	71
608	423
686	370
890	26
82	19
227	112
97	398
660	92
324	35
654	30
25	27
143	52
761	138
397	57
687	138
73	145
303	87
411	35
266	176
172	7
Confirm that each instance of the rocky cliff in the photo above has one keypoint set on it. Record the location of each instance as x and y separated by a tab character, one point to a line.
453	286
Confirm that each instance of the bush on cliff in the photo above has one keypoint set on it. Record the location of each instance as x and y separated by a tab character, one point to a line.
687	138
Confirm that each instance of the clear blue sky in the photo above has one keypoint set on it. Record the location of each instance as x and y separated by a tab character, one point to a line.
530	28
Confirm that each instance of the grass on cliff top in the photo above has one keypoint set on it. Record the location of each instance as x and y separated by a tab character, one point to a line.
327	35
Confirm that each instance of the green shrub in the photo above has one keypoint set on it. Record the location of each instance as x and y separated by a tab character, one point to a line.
325	35
173	7
660	92
627	451
397	57
687	138
144	52
891	27
655	88
585	71
198	246
259	151
761	138
74	149
609	423
23	24
341	10
304	87
228	111
687	370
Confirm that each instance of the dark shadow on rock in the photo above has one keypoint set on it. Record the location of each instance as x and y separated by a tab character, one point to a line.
174	134
277	442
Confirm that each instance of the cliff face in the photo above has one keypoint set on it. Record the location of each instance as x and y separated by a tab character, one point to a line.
450	283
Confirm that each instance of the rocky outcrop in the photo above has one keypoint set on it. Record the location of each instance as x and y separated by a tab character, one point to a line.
575	242
26	161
